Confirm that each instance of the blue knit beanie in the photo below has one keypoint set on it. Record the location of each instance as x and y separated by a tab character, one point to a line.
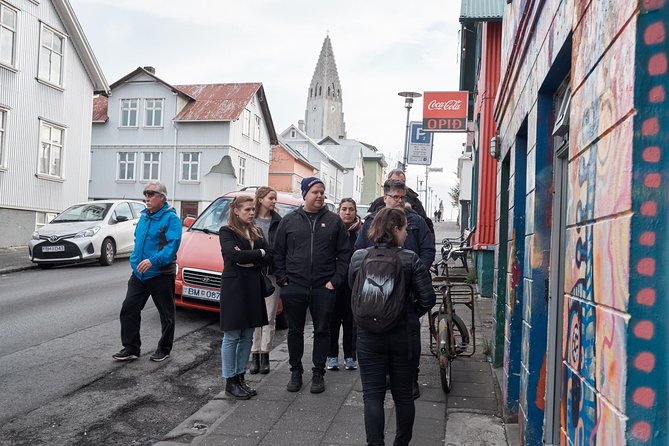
308	183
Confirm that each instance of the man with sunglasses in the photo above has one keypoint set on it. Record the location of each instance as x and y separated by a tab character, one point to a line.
157	239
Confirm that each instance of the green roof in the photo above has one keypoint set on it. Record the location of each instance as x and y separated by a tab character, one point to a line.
481	10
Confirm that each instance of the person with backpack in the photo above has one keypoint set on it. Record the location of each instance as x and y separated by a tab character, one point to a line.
267	219
391	289
342	316
311	256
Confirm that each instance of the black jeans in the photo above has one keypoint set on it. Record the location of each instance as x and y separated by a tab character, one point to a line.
396	353
320	301
342	316
161	289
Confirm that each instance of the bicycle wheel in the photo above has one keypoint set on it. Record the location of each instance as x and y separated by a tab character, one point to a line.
445	372
461	334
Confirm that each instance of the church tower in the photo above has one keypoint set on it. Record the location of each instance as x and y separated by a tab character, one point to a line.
324	115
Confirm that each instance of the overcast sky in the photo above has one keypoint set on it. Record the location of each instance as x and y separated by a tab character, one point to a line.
380	47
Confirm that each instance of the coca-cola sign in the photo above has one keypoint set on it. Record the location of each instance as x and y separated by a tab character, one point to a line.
445	111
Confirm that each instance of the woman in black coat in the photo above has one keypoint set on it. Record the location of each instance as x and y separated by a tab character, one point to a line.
395	352
245	252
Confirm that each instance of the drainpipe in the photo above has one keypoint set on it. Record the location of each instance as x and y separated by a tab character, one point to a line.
176	138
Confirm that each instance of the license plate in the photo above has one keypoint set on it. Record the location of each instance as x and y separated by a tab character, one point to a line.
53	248
201	293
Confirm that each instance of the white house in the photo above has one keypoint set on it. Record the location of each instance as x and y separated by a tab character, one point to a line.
200	140
48	76
329	169
349	153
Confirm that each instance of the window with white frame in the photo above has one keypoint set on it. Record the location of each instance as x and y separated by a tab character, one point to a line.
256	129
190	166
126	166
3	129
153	112
242	171
150	166
50	150
246	122
129	112
52	47
7	34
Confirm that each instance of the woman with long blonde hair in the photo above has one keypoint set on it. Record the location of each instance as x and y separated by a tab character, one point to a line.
245	253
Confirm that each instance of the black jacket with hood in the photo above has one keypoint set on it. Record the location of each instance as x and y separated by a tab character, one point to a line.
311	253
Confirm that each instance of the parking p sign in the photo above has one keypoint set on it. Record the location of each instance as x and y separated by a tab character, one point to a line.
420	145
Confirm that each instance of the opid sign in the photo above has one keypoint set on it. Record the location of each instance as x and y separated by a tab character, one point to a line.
445	111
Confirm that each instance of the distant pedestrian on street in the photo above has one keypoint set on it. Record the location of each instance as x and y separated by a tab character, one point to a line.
267	219
245	253
157	239
395	352
342	315
311	256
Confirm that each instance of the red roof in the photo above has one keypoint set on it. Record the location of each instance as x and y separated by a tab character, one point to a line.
216	102
100	108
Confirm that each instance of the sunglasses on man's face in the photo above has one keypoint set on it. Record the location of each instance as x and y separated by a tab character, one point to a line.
151	193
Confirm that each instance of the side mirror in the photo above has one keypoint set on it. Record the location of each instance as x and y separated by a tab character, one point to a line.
188	222
121	218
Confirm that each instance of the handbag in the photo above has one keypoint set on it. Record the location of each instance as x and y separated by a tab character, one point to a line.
266	286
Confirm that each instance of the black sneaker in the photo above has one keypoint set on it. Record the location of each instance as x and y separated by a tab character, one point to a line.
317	383
125	355
159	356
295	383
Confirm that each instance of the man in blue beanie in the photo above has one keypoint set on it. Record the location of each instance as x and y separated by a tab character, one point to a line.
311	256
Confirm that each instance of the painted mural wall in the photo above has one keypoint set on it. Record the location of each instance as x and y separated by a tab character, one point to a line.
613	370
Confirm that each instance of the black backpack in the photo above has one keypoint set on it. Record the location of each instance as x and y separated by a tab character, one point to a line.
379	292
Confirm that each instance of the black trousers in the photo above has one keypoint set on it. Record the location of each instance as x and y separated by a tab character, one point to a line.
320	302
395	353
161	289
342	316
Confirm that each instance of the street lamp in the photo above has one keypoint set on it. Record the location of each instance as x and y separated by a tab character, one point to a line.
408	102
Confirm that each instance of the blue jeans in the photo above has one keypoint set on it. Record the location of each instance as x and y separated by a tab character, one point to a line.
320	302
235	351
395	353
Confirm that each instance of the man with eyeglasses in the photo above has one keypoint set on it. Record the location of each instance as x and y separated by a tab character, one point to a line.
419	239
157	239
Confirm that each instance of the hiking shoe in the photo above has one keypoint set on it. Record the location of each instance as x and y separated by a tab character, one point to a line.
332	363
295	383
351	364
159	356
317	383
125	355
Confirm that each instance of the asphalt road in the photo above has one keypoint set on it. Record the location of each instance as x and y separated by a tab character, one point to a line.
58	330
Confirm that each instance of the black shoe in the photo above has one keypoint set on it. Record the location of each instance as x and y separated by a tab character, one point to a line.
416	390
264	363
125	355
233	389
295	383
254	363
317	383
242	383
159	356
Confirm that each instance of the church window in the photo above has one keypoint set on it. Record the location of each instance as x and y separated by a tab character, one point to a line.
320	91
328	91
311	92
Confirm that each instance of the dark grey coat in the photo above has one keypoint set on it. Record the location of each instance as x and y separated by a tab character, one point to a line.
242	306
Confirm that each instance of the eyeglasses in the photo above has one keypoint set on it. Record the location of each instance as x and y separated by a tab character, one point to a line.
151	193
396	197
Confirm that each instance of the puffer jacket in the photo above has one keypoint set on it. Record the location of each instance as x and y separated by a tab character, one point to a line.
157	238
420	293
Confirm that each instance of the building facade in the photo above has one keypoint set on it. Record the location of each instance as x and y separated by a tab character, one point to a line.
582	212
200	140
288	168
48	75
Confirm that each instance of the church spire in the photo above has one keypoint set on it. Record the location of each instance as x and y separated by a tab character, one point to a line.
324	115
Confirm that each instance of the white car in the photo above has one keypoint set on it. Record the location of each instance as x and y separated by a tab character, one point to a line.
97	230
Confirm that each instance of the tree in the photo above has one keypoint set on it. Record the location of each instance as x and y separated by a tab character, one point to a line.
454	193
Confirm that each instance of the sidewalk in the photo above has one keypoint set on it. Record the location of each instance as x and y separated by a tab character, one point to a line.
14	259
469	415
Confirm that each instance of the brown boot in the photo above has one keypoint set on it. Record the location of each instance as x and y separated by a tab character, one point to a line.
264	363
254	363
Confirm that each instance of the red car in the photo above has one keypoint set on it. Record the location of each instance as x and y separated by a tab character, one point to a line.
199	259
